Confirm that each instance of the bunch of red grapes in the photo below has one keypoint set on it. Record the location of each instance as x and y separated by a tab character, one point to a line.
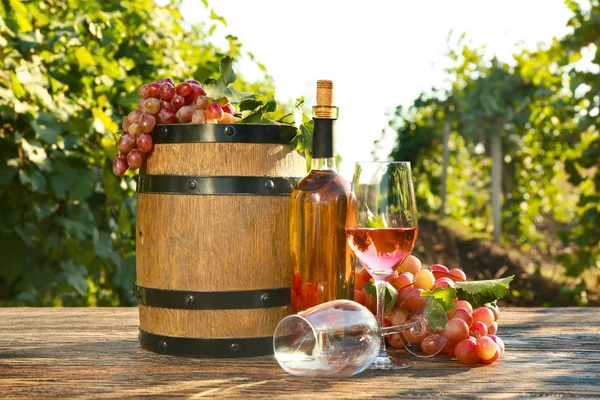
469	335
163	102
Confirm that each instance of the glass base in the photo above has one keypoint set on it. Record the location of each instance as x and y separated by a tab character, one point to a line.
387	362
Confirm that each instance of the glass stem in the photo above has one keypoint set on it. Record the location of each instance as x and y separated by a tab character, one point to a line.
380	288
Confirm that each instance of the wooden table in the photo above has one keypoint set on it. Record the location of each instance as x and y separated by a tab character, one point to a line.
94	353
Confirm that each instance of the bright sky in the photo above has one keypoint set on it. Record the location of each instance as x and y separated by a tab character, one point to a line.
379	53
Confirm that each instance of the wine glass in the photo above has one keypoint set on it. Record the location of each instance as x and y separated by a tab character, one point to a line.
381	227
337	338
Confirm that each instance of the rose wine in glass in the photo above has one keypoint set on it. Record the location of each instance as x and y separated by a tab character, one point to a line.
381	228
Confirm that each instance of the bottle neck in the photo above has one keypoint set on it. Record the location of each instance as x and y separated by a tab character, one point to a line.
323	164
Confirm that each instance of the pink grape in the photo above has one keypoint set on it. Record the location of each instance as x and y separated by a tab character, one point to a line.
486	348
402	281
424	279
184	89
439	270
126	124
152	105
456	330
166	116
144	91
499	342
144	142
466	351
461	314
398	316
449	347
433	344
411	299
478	328
126	144
201	102
135	158
199	117
197	91
184	114
227	119
134	116
167	91
214	111
120	165
154	90
410	264
147	123
443	283
167	80
195	82
494	358
134	129
396	340
484	315
229	109
464	305
414	337
457	275
141	104
177	102
493	329
164	104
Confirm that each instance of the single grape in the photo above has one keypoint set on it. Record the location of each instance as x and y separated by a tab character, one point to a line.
424	279
201	102
478	329
443	283
493	329
134	116
229	108
414	335
464	305
144	91
495	310
359	297
398	316
134	129
178	101
395	340
152	105
433	344
184	89
199	117
126	124
141	104
412	299
456	330
499	342
144	142
214	111
466	351
184	114
439	271
227	119
167	80
120	165
195	82
457	275
164	104
411	264
135	158
461	314
167	90
484	315
197	91
166	116
223	101
401	281
494	358
126	144
154	90
147	123
486	348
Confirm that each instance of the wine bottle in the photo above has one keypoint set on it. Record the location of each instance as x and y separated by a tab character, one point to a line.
322	263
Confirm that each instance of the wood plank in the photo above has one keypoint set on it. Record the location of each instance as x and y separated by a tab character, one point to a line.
94	353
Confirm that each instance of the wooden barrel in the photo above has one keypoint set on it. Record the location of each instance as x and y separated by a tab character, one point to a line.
213	260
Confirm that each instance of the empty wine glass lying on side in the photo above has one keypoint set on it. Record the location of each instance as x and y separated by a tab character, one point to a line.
339	338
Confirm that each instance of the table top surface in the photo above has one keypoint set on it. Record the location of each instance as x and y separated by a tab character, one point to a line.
94	353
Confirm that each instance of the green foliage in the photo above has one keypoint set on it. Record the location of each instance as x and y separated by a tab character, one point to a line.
68	70
478	293
443	296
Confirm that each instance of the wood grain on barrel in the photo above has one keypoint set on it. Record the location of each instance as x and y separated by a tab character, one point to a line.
94	353
223	159
215	242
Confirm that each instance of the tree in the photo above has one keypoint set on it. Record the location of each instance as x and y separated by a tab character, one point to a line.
69	72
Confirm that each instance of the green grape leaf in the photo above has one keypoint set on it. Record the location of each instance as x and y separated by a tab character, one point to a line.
479	293
391	294
219	88
435	314
258	115
444	296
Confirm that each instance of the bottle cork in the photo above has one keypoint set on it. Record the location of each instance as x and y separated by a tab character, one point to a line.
325	108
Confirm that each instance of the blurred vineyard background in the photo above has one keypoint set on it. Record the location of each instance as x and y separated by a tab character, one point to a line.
505	155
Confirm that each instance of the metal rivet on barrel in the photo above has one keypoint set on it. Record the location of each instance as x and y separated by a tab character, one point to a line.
192	184
269	185
235	347
229	130
141	180
139	294
189	299
162	344
163	131
265	298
